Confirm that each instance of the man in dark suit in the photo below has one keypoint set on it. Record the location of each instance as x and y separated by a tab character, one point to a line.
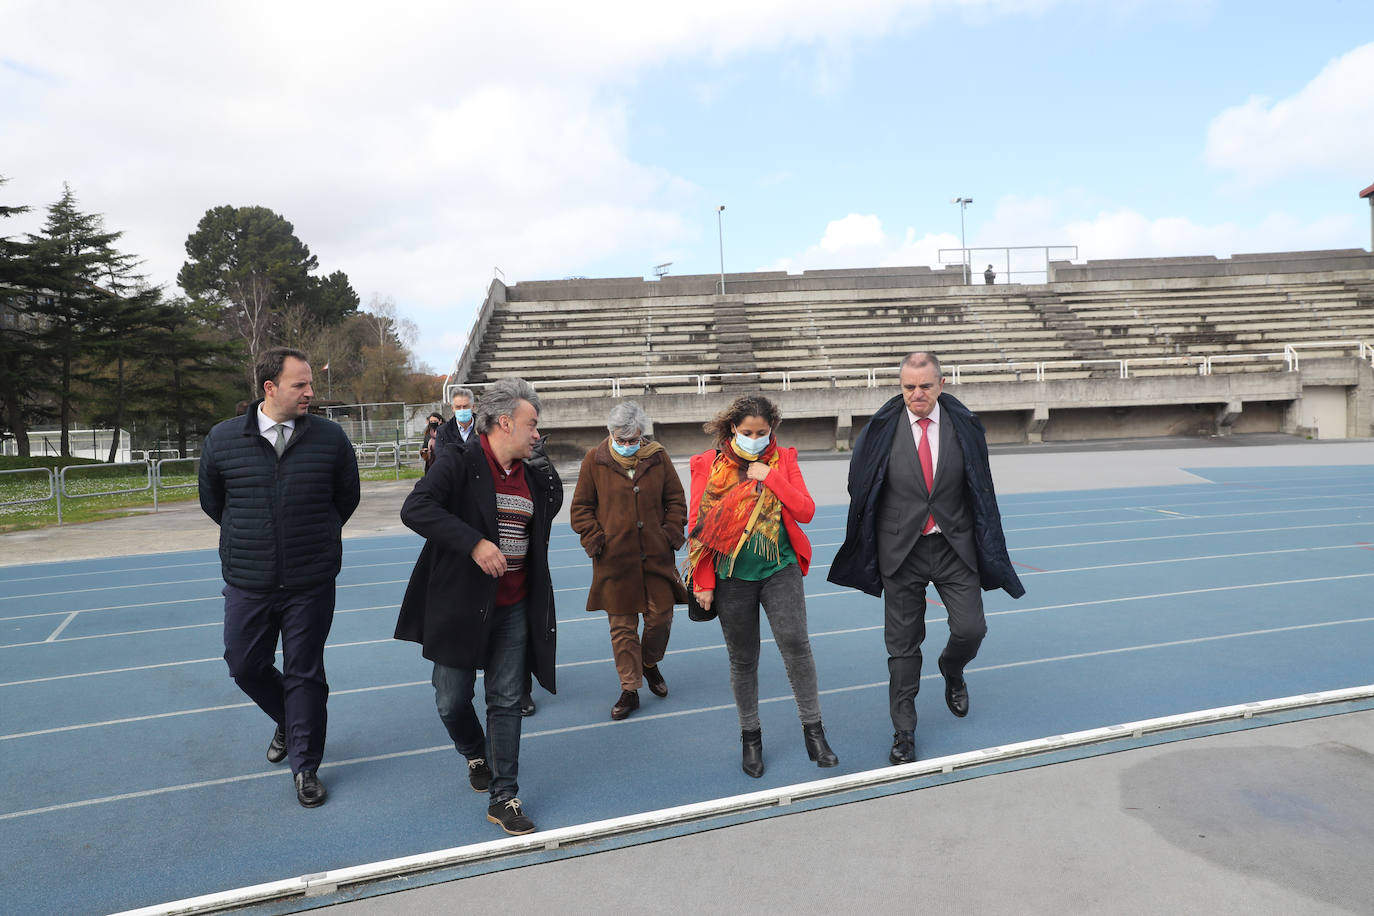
922	510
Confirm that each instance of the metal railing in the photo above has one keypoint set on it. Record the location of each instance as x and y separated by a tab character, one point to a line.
1029	370
57	482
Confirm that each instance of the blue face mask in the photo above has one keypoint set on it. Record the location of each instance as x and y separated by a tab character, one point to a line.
751	446
463	416
624	451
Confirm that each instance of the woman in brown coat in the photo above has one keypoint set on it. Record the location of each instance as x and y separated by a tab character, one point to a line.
630	512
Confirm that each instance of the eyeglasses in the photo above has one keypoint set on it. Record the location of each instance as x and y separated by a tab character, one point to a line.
633	440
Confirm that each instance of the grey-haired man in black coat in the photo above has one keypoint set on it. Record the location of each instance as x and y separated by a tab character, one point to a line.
281	484
923	510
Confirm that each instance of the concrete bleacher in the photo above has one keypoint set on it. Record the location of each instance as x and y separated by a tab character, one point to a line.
824	333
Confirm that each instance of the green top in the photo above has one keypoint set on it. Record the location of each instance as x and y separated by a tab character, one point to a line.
751	566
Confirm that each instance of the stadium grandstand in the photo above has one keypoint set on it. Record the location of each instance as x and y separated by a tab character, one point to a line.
1191	346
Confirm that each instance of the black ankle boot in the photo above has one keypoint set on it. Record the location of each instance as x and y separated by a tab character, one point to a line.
817	748
753	752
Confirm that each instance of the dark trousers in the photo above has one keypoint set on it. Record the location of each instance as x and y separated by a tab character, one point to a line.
295	696
503	679
904	620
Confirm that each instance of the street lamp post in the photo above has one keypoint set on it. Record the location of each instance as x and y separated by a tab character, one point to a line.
720	237
963	202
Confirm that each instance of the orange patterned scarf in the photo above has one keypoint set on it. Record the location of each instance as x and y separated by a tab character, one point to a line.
734	511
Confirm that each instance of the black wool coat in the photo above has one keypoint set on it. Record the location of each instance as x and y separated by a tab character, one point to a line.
856	563
448	603
280	519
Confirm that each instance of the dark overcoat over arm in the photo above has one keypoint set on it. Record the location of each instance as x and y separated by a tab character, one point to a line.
448	601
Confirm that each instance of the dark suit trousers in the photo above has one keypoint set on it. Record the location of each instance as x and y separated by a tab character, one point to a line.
295	696
904	624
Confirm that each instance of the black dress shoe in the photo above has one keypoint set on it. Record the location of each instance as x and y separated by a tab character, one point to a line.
752	761
309	790
903	748
628	703
527	705
816	746
276	751
956	693
654	678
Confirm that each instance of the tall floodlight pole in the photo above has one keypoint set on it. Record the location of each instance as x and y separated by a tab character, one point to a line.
963	202
720	237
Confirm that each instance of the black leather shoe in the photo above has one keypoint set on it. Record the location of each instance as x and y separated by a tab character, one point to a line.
628	703
309	790
956	693
276	751
903	748
479	774
512	818
817	748
654	678
527	705
752	761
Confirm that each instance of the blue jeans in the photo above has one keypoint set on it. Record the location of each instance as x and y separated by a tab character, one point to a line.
504	681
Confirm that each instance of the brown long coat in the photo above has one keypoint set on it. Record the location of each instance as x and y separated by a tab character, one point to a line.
630	528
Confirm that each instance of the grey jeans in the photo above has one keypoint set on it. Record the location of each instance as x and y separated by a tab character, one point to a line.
784	601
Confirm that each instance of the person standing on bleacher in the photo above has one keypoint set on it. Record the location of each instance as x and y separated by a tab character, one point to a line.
280	484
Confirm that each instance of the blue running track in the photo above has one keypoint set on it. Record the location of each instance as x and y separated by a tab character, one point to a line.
133	769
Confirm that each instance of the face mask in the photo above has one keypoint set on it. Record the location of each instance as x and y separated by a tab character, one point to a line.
463	416
751	446
624	451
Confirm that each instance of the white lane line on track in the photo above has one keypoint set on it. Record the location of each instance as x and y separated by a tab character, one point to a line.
1172	537
823	634
809	596
395	755
814	530
1155	503
585	564
52	637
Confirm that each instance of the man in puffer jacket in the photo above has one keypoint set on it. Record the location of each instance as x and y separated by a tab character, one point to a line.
281	483
922	510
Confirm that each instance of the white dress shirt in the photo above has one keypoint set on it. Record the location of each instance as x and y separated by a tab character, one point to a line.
265	424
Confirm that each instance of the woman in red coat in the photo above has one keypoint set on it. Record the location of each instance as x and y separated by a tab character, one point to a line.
747	549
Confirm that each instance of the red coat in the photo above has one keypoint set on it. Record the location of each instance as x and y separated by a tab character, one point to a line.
786	482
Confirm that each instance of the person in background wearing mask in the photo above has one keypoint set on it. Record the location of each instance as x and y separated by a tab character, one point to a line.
459	428
747	549
629	509
427	447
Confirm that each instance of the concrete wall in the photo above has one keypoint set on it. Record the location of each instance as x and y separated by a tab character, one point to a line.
1280	262
1329	397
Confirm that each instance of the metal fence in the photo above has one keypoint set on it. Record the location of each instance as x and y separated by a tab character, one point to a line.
56	482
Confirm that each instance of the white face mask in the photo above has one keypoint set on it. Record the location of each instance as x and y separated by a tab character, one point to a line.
751	446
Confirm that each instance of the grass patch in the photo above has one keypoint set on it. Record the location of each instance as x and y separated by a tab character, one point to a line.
90	497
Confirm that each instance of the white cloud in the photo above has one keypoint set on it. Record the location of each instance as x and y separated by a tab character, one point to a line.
415	146
859	240
1324	127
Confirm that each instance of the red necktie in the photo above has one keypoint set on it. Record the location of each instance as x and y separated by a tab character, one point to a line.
927	467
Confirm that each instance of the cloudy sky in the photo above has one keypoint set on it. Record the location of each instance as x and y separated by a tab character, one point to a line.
419	146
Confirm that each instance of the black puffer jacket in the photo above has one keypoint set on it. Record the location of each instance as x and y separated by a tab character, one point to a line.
279	519
856	563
